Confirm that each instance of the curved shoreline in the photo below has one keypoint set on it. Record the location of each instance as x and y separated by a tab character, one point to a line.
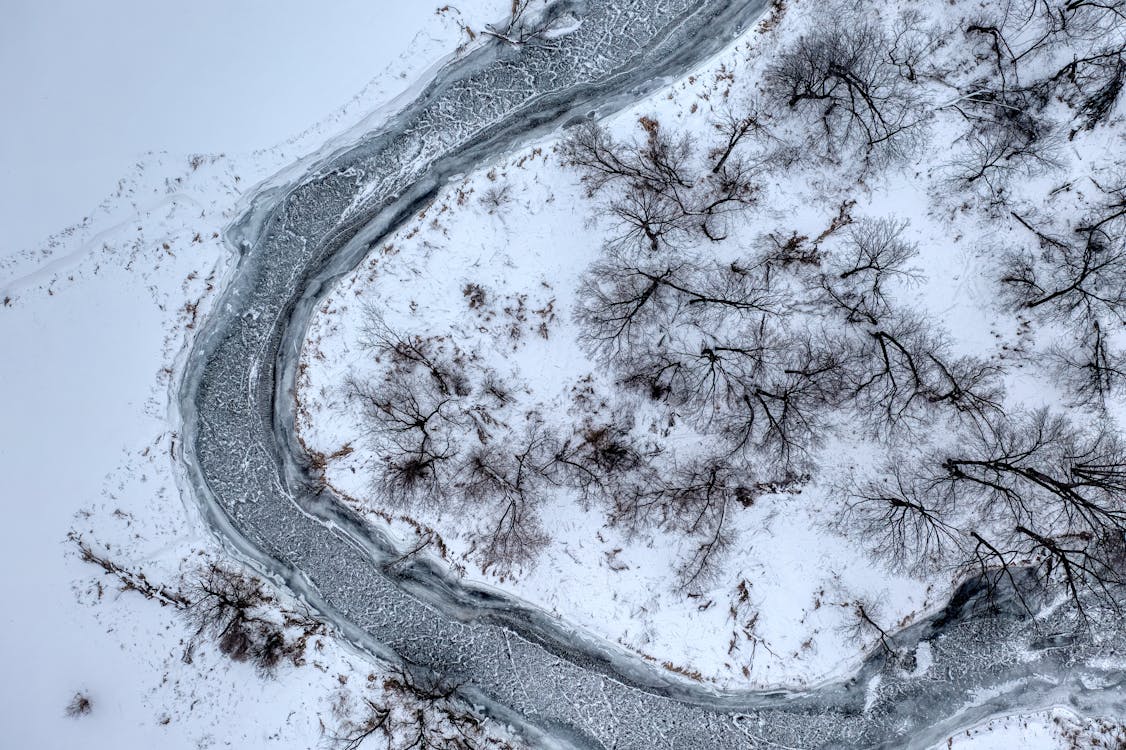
242	461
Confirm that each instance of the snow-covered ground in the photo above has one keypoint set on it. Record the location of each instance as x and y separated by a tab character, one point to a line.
788	568
92	321
142	127
523	232
492	268
1057	728
90	88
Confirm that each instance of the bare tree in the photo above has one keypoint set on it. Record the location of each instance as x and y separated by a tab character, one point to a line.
842	79
527	23
902	520
1092	83
1071	278
901	371
1036	53
709	340
1054	492
414	425
896	369
735	126
780	415
130	580
994	155
1033	493
227	605
599	457
697	500
660	192
1093	371
413	713
447	431
508	483
623	299
913	46
244	619
407	353
856	279
1082	41
1077	280
497	197
1045	469
863	624
79	705
1007	135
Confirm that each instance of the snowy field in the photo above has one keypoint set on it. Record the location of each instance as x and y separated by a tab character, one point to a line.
122	160
141	140
92	88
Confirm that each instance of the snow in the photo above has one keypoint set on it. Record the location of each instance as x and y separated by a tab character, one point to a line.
1054	729
86	390
93	319
792	626
90	88
802	575
621	588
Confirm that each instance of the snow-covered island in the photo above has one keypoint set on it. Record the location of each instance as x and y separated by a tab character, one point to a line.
777	395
